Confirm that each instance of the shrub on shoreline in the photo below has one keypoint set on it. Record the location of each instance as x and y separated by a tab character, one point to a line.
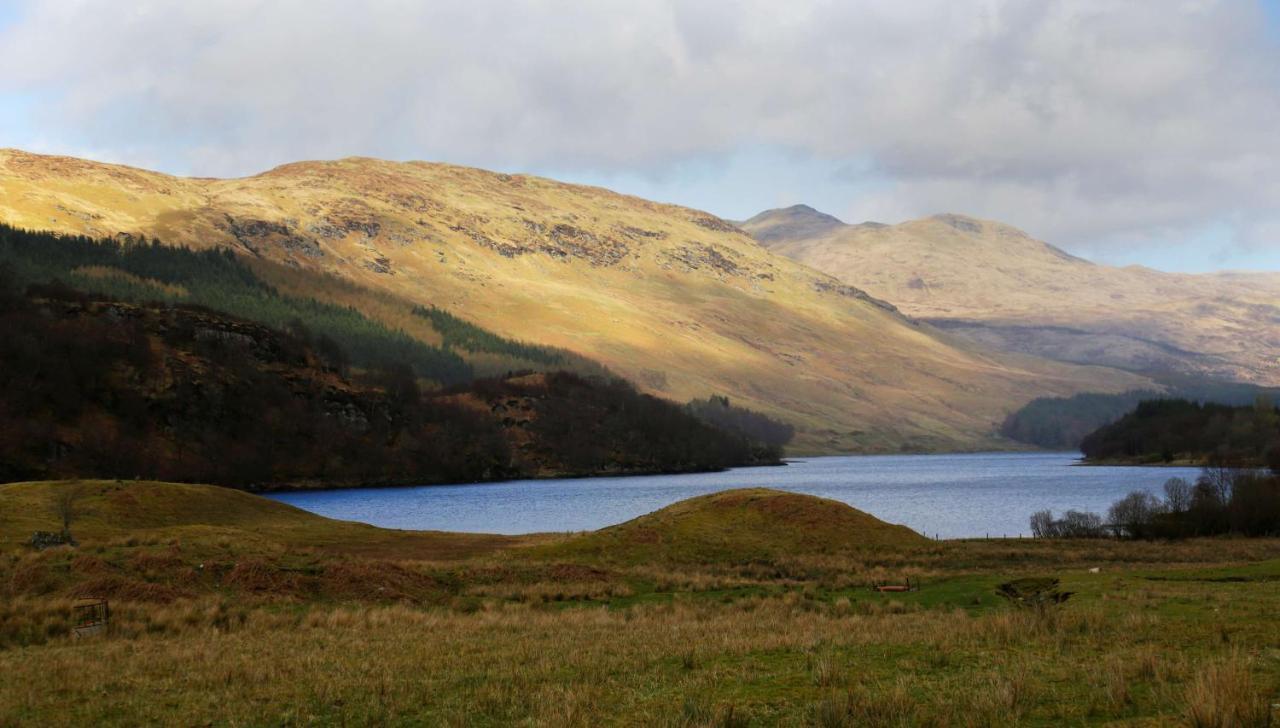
1221	501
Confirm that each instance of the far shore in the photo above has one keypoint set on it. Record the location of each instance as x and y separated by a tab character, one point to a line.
1184	463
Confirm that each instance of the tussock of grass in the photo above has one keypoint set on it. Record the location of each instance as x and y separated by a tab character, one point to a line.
1224	694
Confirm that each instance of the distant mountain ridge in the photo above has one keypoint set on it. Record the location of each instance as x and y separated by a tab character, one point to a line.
678	301
797	222
999	287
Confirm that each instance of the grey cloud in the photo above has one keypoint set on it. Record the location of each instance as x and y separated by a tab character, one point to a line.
1084	121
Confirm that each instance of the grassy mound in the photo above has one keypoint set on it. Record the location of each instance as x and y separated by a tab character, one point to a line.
111	510
739	525
106	508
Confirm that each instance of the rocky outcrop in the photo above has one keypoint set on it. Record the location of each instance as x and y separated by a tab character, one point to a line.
256	236
41	540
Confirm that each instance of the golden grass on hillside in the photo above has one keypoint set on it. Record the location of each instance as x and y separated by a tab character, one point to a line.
681	303
101	271
740	525
960	268
114	510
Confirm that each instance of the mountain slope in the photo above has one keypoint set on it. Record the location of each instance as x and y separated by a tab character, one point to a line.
115	389
999	287
682	303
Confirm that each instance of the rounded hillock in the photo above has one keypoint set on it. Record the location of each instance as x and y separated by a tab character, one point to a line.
204	517
740	525
108	508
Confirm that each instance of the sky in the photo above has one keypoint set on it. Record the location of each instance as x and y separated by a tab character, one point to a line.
1142	132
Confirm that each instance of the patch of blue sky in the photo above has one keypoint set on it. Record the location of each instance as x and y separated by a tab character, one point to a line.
10	11
16	126
16	107
1272	10
1214	247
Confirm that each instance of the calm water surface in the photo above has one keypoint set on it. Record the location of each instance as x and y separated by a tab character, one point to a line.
947	495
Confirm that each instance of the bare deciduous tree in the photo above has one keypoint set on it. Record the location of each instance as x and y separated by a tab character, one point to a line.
65	507
1043	525
1134	513
1177	495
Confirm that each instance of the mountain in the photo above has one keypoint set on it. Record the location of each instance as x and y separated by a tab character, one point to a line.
1001	288
683	304
798	222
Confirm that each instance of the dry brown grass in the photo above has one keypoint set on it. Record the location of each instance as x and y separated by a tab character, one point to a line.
739	526
984	271
1224	694
102	271
133	513
217	624
771	659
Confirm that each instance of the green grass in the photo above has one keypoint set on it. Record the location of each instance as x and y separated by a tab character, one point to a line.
232	609
110	510
738	525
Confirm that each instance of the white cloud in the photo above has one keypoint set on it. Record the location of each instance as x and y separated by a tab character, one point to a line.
1085	121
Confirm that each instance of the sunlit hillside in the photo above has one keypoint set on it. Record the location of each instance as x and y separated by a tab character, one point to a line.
680	302
1001	288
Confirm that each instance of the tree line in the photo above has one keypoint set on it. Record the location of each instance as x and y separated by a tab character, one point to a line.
91	387
1165	430
461	334
1221	501
1062	423
716	410
218	280
183	365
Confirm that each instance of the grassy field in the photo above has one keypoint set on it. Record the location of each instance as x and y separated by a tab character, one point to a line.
751	608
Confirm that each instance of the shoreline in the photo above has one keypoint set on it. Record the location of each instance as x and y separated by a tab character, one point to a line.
1085	462
276	488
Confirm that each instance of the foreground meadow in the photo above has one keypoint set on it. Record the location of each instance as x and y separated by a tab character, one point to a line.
746	608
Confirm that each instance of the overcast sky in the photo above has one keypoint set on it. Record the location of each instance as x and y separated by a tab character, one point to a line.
1144	131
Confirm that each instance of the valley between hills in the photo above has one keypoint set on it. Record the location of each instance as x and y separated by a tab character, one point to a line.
681	303
1004	290
676	301
470	364
362	322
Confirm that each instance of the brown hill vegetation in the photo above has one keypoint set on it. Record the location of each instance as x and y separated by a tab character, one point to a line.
1001	288
740	525
680	302
223	604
